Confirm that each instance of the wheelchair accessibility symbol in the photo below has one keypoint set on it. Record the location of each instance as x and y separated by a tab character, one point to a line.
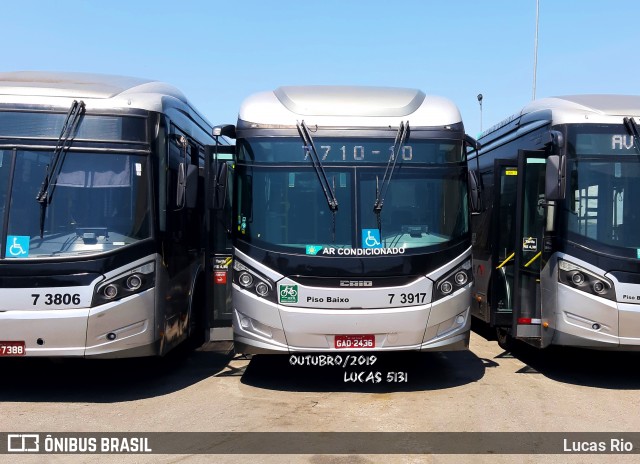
17	246
371	238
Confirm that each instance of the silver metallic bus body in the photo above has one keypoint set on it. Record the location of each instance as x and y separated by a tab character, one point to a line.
262	326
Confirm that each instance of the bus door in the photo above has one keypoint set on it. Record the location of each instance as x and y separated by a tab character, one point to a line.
528	247
219	247
505	188
222	261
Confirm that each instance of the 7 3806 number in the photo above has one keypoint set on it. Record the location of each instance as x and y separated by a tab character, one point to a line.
408	298
57	298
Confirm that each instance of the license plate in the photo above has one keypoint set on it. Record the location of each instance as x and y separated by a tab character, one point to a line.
12	349
355	341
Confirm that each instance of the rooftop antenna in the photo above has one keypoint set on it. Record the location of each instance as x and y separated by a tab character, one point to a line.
535	50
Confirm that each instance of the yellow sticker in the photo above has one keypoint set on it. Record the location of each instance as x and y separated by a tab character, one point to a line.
511	172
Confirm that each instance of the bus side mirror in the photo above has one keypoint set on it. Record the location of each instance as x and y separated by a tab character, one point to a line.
181	186
220	187
555	178
475	193
191	195
224	130
187	186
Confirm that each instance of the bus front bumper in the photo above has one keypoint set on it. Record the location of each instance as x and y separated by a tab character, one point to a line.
588	321
122	328
264	327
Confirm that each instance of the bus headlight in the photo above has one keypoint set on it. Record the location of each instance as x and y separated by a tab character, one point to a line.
262	289
134	282
577	278
253	281
128	283
461	278
586	281
599	287
245	279
454	281
110	291
446	287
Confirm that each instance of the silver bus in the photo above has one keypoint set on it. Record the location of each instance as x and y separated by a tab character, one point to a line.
557	248
351	225
102	216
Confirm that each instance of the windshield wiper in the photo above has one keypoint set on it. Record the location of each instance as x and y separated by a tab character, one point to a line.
329	192
57	159
381	192
632	129
310	148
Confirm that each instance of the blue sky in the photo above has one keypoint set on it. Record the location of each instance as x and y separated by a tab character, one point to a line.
218	52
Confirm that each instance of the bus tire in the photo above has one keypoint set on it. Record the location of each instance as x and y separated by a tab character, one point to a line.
504	338
196	318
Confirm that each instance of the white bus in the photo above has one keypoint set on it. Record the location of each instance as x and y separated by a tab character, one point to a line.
557	249
101	209
351	222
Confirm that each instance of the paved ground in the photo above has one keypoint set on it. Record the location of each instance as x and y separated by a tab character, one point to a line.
485	389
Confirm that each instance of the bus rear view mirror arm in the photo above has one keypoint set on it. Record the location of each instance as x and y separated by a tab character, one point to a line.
475	193
220	187
471	142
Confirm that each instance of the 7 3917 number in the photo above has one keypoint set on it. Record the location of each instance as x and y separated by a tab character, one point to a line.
408	298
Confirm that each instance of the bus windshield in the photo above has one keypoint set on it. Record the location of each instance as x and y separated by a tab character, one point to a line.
100	202
603	172
281	206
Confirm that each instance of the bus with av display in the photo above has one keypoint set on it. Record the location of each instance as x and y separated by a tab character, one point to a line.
101	210
557	247
351	224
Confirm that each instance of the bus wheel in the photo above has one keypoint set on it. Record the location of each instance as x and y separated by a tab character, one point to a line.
196	319
505	341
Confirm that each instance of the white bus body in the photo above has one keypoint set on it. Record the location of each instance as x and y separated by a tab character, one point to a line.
318	267
107	262
557	251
